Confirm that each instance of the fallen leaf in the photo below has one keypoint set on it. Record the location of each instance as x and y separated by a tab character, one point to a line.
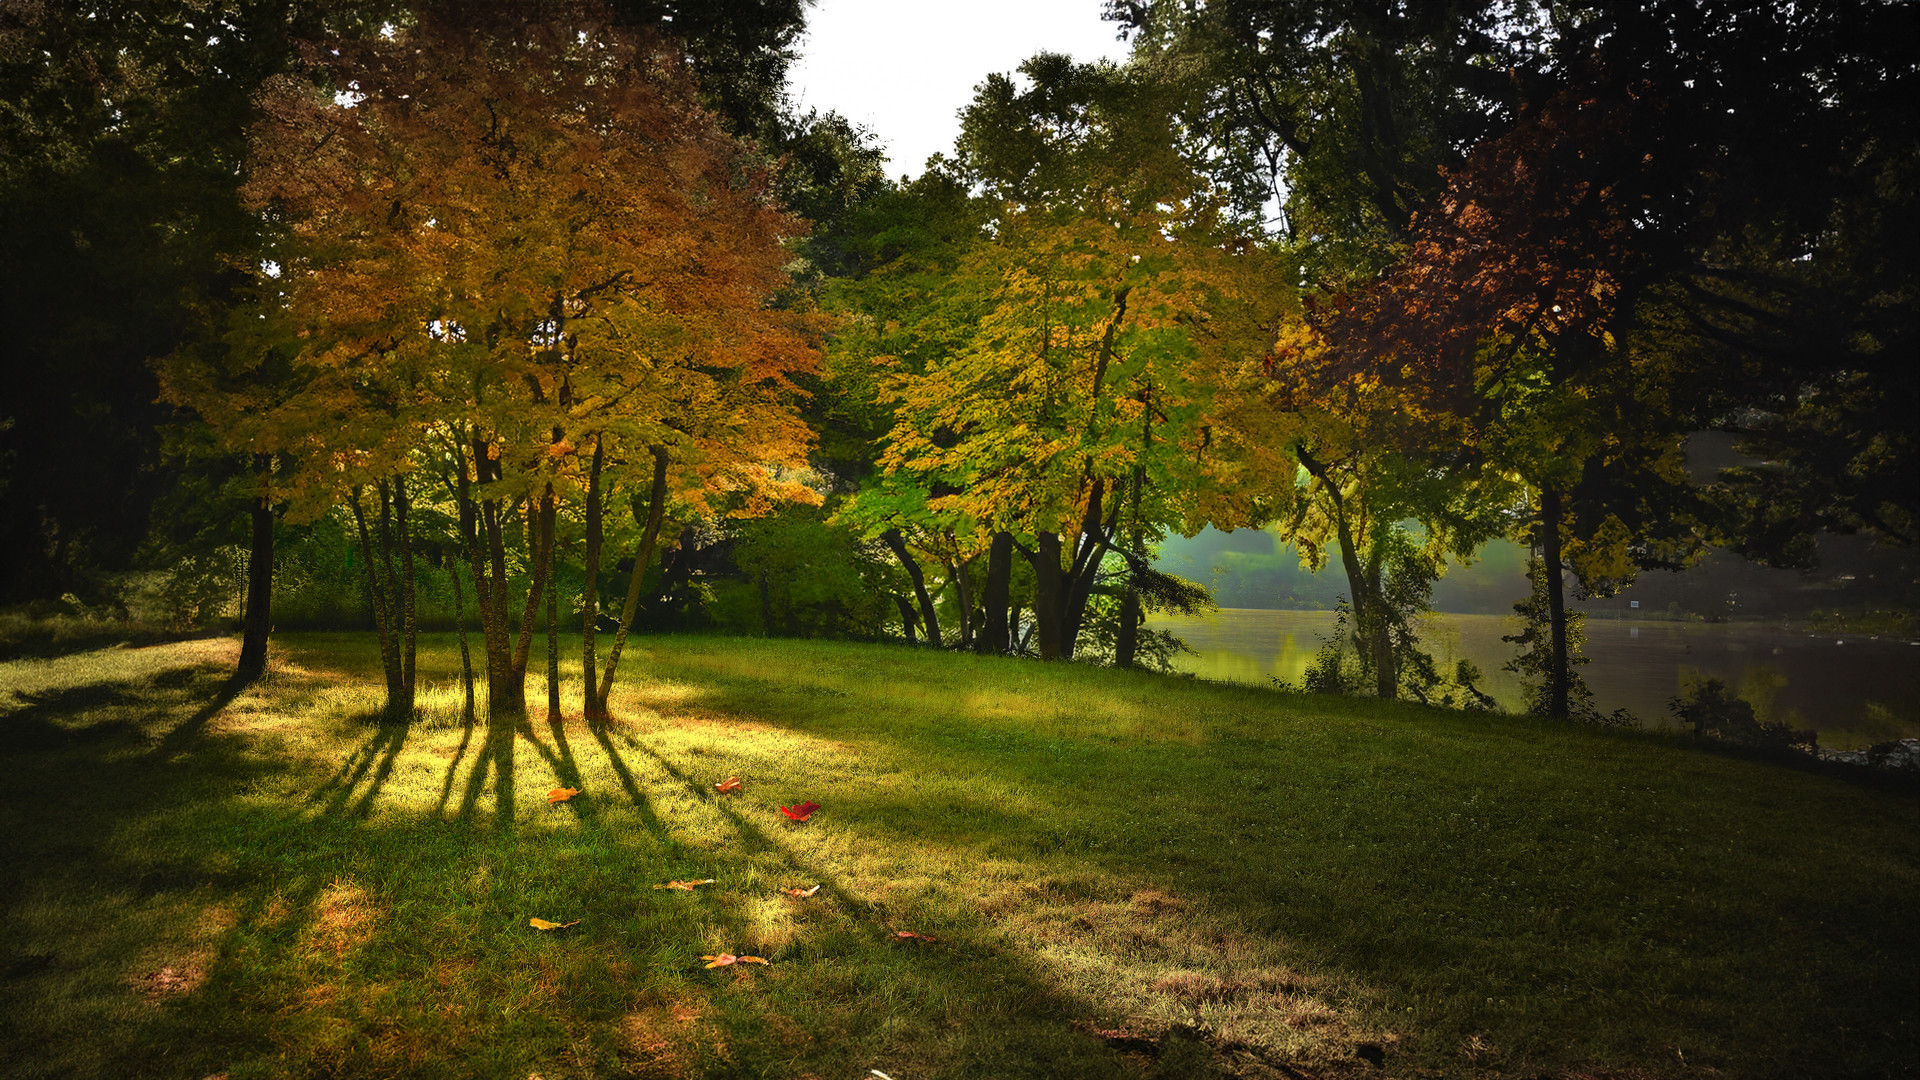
908	935
728	959
561	794
687	885
801	893
730	784
802	812
542	924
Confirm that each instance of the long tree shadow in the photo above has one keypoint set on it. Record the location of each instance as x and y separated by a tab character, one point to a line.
375	756
453	766
495	754
639	798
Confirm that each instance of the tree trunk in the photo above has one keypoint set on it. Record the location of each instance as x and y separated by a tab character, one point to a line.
907	619
1090	549
394	599
1558	681
957	573
409	596
460	627
553	628
1128	642
1370	629
1048	594
257	621
590	589
656	510
540	517
997	636
928	617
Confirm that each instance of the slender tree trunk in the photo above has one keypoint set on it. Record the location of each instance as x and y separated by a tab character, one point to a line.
409	601
460	627
656	511
257	623
393	599
1128	642
553	628
957	573
997	636
1558	681
540	516
907	619
382	621
1370	629
390	640
590	590
928	617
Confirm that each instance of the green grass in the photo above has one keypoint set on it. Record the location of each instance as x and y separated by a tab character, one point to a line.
196	883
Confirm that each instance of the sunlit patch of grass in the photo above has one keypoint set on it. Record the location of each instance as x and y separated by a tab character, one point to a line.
1126	875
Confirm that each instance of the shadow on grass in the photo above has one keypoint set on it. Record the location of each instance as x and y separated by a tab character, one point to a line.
1601	889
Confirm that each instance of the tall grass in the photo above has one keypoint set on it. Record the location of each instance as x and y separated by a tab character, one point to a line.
1126	875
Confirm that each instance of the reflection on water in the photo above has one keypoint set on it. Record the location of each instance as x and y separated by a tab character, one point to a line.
1853	690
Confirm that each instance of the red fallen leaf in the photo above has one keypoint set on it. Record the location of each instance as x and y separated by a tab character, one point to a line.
802	812
728	959
687	885
730	784
801	893
561	794
908	935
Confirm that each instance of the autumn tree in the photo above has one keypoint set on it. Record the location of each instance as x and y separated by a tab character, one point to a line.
1094	363
552	266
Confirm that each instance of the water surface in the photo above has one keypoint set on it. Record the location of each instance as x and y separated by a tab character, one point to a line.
1852	689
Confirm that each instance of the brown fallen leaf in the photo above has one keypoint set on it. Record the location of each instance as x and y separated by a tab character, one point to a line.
542	924
908	935
730	784
801	893
687	885
728	959
561	794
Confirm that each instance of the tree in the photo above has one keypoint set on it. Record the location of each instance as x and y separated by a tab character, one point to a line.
122	128
1096	359
507	240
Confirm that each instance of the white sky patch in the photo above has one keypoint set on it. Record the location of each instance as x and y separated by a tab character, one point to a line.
905	70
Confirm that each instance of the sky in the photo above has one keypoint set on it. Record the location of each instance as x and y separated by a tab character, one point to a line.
905	68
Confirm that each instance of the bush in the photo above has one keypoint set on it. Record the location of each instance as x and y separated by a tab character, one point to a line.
1715	712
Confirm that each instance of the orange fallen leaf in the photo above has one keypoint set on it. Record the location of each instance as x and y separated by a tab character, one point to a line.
561	794
687	885
728	959
908	935
802	812
801	893
542	924
730	784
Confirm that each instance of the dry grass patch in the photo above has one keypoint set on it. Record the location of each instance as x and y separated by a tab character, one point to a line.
345	917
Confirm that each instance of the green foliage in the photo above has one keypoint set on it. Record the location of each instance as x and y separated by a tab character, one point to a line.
808	577
1534	660
1714	712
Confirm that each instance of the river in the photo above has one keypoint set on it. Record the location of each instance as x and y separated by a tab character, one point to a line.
1854	690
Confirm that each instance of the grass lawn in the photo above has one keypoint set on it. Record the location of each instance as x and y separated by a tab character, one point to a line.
1126	875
